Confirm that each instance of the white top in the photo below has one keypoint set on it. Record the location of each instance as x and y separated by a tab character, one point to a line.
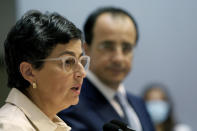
21	114
109	94
182	127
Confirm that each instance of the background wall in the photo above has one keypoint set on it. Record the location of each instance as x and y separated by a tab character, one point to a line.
7	15
166	51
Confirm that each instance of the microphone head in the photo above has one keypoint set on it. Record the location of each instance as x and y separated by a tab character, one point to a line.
111	127
122	125
119	123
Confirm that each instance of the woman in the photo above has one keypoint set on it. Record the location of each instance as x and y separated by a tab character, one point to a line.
159	106
45	66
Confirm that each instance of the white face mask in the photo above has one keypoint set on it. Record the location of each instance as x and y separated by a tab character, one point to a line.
158	110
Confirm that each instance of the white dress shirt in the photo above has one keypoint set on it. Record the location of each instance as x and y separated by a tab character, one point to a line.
21	114
109	94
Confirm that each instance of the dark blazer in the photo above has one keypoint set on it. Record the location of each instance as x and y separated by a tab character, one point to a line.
93	111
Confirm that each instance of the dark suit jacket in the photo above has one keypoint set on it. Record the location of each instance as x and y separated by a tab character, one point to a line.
93	111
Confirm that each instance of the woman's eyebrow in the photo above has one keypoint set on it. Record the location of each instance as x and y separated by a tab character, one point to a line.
70	53
67	52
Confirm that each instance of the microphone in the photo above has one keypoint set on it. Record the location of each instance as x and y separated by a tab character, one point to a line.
122	125
111	127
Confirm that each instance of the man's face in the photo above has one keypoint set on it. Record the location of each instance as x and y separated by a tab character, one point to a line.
111	50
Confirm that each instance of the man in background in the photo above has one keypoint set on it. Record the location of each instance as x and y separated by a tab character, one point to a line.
111	35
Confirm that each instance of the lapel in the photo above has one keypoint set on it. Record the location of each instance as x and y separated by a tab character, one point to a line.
139	109
98	102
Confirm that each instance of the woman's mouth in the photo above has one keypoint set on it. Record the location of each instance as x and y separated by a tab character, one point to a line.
76	89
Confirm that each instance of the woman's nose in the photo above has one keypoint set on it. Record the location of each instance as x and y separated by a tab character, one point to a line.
80	71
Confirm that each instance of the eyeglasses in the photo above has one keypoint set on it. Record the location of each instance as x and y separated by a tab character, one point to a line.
110	47
70	62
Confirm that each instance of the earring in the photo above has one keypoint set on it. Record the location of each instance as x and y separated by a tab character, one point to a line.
34	85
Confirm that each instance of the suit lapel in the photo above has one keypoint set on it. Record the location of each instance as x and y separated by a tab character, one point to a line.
96	99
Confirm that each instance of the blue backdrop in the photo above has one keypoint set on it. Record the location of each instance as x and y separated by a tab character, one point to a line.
166	51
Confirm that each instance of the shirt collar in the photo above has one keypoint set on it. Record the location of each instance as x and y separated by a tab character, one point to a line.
108	92
33	113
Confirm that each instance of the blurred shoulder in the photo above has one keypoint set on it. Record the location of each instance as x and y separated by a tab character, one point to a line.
135	97
11	117
8	110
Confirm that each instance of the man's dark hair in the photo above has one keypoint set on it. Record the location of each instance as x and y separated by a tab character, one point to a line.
91	20
32	38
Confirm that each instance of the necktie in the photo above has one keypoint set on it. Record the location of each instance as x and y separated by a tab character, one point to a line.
122	100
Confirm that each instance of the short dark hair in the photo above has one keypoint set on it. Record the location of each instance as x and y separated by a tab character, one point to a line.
33	37
91	20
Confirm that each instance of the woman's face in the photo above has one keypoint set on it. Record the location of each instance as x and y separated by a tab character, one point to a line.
156	94
55	86
157	105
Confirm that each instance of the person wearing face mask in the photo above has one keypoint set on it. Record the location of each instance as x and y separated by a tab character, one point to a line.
159	106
